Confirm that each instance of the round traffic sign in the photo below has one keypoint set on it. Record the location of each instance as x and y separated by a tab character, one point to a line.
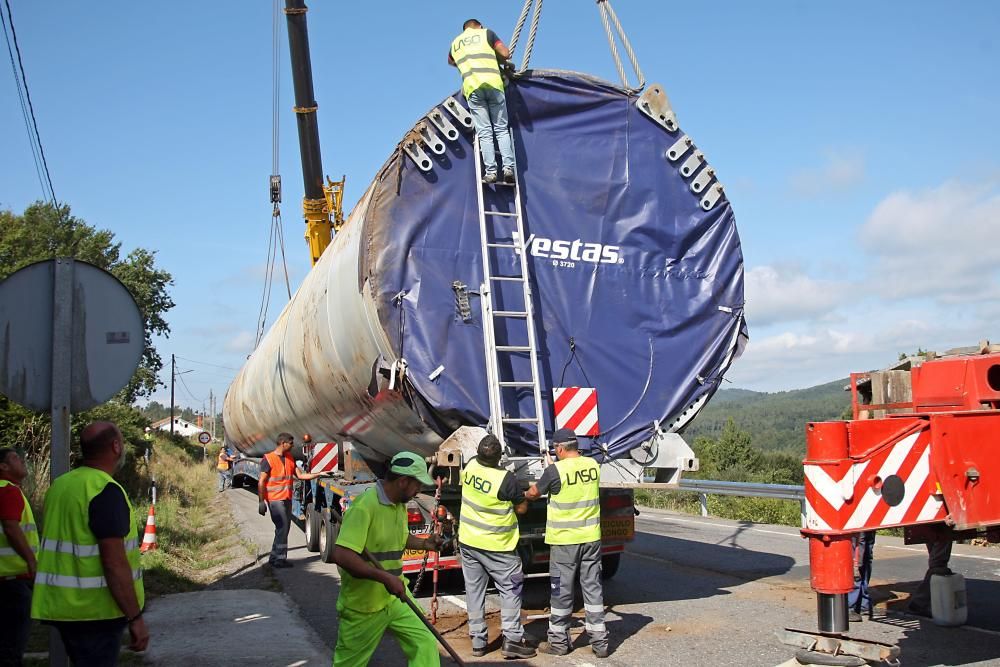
204	437
107	337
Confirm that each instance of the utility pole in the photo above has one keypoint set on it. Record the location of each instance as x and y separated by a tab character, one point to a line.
211	406
173	375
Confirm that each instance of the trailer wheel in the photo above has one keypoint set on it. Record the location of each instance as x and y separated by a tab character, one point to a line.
314	525
609	565
328	538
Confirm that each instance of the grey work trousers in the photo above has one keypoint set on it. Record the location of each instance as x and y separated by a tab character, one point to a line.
504	567
565	561
281	515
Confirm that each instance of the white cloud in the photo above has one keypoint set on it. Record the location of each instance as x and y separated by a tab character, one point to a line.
785	293
939	243
241	343
839	172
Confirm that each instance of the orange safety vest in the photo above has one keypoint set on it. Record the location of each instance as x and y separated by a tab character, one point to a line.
279	482
222	464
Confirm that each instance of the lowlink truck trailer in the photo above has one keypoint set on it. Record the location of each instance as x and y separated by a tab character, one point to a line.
323	501
601	291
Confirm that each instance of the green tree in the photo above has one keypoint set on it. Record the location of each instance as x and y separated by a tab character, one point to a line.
44	231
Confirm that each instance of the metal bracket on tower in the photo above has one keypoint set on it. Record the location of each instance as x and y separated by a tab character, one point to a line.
701	181
655	104
711	197
679	148
692	163
417	153
458	111
442	124
430	138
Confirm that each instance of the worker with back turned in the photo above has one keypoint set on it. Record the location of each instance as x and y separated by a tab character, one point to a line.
475	53
573	533
488	533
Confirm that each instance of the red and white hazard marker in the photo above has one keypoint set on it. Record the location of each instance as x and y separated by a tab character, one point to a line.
324	457
847	497
576	409
149	536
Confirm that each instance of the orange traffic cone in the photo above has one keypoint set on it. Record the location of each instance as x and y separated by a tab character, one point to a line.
149	537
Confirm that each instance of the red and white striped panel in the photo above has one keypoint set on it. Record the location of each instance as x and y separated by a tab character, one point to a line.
844	498
324	457
576	409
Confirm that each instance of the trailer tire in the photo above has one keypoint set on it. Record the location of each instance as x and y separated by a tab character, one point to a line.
328	538
609	565
313	526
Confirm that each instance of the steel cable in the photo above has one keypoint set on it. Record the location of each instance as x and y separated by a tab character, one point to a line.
532	30
609	18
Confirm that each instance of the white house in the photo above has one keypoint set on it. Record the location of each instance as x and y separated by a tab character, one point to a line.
181	427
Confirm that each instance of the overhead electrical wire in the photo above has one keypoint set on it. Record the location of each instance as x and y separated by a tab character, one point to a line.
188	390
205	363
27	107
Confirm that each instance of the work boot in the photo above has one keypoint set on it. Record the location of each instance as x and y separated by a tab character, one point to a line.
599	651
519	649
282	564
854	616
490	177
508	174
553	650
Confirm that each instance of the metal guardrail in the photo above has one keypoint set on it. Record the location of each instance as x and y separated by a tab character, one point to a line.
705	487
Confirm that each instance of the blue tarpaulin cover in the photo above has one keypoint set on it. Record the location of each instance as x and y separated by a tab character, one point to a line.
623	260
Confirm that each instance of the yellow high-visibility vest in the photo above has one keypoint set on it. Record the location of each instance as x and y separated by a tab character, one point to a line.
486	522
70	583
11	563
574	514
476	60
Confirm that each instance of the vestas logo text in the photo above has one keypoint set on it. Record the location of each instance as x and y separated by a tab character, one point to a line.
575	250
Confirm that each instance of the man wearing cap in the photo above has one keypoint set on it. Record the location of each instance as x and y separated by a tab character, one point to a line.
573	532
371	598
488	533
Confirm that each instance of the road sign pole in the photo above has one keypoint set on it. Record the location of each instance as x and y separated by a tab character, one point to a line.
62	375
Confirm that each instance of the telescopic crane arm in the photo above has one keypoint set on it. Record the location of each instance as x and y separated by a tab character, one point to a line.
321	205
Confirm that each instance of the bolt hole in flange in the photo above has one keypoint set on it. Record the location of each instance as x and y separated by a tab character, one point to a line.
993	377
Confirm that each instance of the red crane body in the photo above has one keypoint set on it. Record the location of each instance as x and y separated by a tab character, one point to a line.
929	456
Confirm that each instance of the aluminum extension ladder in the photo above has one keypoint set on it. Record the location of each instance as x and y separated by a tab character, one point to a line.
502	232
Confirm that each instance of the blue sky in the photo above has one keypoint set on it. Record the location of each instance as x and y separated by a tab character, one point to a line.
857	142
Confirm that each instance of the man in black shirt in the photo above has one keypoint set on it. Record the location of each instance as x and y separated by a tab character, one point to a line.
488	534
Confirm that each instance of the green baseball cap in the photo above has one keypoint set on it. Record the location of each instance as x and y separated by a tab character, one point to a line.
411	465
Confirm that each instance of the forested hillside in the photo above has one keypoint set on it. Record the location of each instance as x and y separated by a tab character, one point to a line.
775	421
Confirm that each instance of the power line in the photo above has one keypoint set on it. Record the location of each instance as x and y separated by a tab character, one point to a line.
205	363
24	107
31	108
188	390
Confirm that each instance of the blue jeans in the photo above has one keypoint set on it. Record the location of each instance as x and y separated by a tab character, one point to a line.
859	599
488	107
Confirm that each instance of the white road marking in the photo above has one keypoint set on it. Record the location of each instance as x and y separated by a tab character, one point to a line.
919	549
458	602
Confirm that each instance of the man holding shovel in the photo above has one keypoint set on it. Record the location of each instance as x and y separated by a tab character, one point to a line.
372	597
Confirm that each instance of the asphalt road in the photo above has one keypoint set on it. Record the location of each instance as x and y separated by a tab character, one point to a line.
692	591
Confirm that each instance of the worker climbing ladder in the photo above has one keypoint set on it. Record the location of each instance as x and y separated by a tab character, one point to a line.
502	237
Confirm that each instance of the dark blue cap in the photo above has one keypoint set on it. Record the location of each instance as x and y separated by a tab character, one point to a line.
563	435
